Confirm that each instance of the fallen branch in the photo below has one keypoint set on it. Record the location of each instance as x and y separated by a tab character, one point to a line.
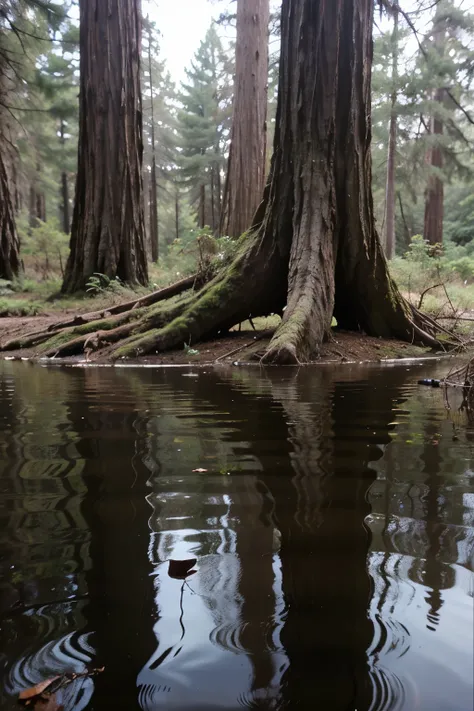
241	348
166	293
423	293
118	313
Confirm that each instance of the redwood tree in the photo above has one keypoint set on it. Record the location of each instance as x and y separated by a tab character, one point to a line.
434	198
245	179
392	147
9	242
313	247
107	233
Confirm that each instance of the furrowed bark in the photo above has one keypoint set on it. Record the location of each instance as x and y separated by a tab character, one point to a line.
107	232
9	243
245	179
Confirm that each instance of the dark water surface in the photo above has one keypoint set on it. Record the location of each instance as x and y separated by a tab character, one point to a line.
333	531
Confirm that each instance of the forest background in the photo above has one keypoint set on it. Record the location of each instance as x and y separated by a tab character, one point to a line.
423	138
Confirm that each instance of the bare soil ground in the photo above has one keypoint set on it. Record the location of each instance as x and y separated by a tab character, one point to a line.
238	346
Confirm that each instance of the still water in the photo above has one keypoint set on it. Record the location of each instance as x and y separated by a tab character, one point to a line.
332	526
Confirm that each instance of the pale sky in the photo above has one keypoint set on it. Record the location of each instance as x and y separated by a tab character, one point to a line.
183	24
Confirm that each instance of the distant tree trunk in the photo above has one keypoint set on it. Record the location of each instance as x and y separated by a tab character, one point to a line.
146	210
65	212
202	207
32	208
406	229
390	196
154	236
108	233
434	197
37	201
214	222
41	206
65	202
9	242
176	213
245	179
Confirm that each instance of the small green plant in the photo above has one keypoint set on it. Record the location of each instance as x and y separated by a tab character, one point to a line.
100	284
190	351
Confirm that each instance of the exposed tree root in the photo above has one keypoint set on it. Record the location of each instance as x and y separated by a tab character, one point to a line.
191	282
234	295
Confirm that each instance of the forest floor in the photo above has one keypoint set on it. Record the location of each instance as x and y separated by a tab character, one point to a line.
237	346
36	309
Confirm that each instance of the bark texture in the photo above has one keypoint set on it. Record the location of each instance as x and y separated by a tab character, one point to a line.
245	179
107	233
313	250
153	233
434	198
9	242
390	196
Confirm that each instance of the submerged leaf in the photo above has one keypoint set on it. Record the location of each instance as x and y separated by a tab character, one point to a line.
181	569
36	690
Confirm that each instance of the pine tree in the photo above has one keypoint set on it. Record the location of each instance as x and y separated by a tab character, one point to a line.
16	26
415	107
160	136
30	32
204	128
58	81
447	60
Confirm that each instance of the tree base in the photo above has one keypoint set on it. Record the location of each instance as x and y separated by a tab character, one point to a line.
196	316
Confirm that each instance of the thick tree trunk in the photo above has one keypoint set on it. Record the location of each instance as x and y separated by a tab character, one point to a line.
313	247
434	199
107	233
390	196
9	242
245	179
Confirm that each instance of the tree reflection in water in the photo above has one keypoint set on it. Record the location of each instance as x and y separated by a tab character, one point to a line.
318	531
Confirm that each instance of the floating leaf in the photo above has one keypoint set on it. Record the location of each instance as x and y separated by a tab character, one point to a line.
36	690
199	471
181	569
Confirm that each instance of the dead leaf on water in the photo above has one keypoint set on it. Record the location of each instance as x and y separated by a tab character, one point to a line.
37	690
181	569
199	471
43	695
